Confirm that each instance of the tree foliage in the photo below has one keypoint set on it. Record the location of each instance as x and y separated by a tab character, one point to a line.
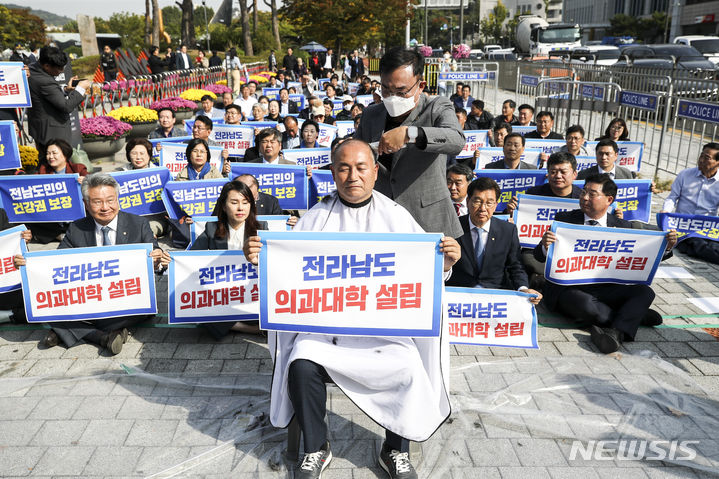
19	25
130	27
492	26
649	30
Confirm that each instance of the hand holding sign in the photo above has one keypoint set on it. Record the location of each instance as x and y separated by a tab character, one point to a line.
451	250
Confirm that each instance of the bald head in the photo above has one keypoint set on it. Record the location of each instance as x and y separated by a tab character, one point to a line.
354	170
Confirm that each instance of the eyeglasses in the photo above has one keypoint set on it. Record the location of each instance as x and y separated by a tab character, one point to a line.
592	194
98	203
481	204
199	128
387	92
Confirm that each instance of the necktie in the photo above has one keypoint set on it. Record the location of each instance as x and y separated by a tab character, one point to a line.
456	208
106	236
479	249
592	222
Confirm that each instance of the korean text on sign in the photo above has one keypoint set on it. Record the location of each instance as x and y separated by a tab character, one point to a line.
141	190
172	157
9	153
210	286
593	254
351	283
287	183
41	198
14	91
690	226
535	214
11	243
513	182
89	283
474	140
234	138
490	317
191	198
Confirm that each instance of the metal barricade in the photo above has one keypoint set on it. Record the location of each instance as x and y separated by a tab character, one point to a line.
482	78
529	74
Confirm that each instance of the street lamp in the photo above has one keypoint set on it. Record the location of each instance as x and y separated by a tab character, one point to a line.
207	25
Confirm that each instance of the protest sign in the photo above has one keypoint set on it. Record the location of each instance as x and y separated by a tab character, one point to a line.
298	99
234	138
364	100
189	198
547	146
191	123
287	183
594	254
490	317
634	197
352	88
260	124
473	140
207	286
172	139
273	93
523	130
321	82
89	283
489	154
276	222
690	226
141	190
14	91
9	152
629	155
513	182
327	134
369	284
41	198
345	128
11	243
172	157
584	162
535	214
321	185
314	157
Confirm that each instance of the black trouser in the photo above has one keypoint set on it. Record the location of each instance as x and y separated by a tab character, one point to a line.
72	332
620	306
308	394
704	249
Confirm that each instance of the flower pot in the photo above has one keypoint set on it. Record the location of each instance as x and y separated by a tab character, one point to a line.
182	115
102	149
141	130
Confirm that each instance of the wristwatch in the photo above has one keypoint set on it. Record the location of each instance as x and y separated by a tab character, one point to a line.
412	132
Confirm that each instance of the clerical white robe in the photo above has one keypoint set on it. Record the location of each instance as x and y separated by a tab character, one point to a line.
401	383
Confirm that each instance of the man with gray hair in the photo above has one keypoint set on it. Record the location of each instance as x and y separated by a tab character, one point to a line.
105	225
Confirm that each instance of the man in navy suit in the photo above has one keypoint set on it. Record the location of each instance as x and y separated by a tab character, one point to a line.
464	101
613	311
491	256
105	225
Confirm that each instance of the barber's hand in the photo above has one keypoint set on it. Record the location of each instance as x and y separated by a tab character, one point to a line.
548	238
26	235
512	205
672	239
252	248
534	301
18	260
451	250
392	140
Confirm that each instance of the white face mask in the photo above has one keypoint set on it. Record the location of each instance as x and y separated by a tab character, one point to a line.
446	56
265	106
397	105
348	107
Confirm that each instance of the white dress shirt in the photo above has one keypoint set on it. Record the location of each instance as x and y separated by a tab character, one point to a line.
602	221
237	237
112	234
462	207
693	193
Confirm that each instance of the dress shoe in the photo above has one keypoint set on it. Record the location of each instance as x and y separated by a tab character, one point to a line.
651	318
51	339
113	342
607	340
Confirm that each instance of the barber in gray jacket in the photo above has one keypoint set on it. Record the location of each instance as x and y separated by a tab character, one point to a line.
414	134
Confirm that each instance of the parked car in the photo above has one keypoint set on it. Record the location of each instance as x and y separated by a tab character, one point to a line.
595	54
669	55
706	45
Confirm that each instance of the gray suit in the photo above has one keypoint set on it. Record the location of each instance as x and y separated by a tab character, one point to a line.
49	116
418	178
620	173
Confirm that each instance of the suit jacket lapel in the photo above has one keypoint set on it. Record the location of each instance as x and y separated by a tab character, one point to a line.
121	234
491	240
90	237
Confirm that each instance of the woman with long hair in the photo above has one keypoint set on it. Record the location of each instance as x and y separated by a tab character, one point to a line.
616	131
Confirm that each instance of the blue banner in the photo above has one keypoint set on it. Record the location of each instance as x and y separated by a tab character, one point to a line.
365	100
592	91
634	197
528	80
190	198
321	184
260	124
697	110
271	93
141	190
690	226
9	153
14	90
190	123
314	157
523	130
644	101
299	100
41	198
287	183
513	182
463	76
584	162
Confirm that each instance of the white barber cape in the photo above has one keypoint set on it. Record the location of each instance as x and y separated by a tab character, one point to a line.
401	383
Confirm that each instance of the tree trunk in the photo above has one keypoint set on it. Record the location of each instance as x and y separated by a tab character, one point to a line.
254	17
155	23
187	27
275	25
246	37
148	24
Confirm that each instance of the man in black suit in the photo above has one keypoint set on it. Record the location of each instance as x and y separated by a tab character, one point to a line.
265	204
613	311
490	247
513	150
606	153
49	117
545	122
105	225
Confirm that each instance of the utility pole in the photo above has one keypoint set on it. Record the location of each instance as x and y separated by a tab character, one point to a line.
461	21
207	25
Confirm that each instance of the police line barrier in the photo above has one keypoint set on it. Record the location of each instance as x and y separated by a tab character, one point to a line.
482	80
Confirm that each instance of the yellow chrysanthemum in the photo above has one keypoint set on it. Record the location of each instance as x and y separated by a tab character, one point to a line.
258	78
221	82
195	94
134	114
28	156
